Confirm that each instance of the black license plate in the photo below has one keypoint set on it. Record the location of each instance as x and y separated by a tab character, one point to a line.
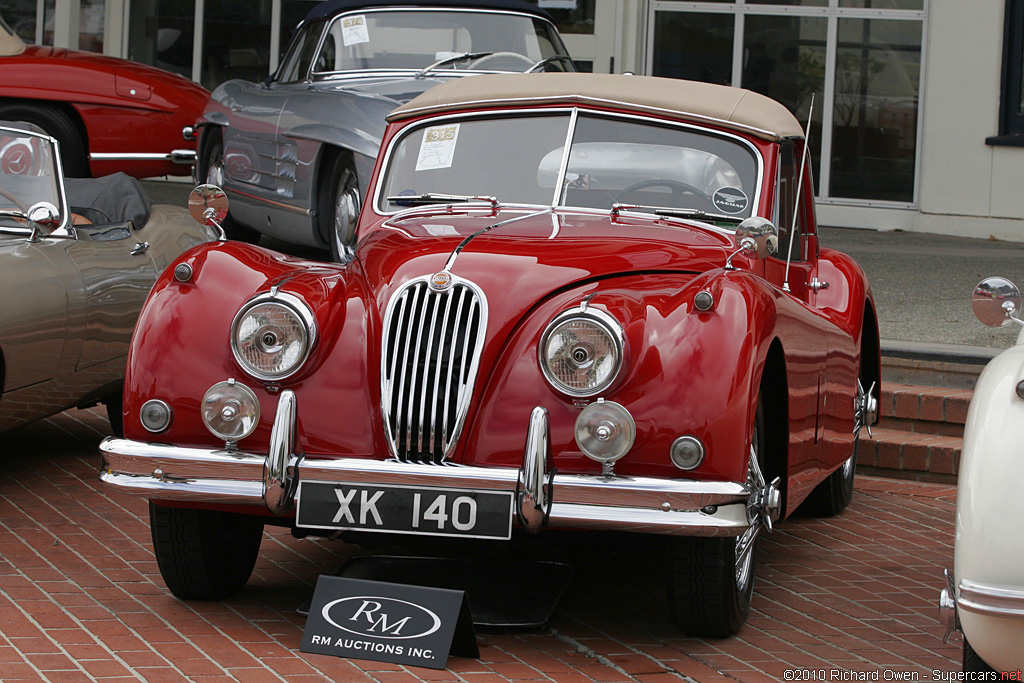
405	510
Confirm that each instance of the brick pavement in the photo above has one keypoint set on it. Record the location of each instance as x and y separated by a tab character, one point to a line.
81	598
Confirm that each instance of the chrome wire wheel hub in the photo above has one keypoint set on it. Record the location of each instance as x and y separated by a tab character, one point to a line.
763	509
346	212
865	410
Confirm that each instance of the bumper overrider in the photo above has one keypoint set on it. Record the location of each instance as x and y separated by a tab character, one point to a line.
541	496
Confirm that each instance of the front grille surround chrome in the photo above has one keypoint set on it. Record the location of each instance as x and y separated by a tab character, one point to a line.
430	355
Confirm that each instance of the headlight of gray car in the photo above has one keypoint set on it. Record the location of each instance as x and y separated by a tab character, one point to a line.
272	335
581	351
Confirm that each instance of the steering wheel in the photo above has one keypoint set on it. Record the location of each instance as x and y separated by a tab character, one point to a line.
677	188
14	200
494	56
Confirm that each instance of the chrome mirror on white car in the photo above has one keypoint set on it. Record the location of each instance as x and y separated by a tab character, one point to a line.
996	302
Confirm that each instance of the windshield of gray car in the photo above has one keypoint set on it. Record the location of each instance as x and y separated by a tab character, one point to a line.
416	38
624	160
28	175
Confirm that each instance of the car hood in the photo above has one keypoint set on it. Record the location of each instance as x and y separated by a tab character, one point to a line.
520	262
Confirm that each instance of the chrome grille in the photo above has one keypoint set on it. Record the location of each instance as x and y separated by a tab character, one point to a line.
429	357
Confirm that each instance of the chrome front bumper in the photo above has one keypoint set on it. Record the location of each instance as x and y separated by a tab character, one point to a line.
978	598
647	505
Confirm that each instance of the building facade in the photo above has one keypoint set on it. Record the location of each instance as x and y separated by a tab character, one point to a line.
915	108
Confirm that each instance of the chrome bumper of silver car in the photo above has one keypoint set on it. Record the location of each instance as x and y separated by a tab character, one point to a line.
659	506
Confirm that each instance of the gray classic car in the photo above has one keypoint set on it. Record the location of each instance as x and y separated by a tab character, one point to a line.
77	260
295	152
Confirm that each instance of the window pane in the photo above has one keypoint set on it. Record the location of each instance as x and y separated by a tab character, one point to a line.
570	16
697	47
160	34
236	41
21	17
875	116
90	25
803	3
784	58
884	4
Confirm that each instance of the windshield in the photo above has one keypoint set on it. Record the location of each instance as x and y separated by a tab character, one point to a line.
28	175
520	160
416	39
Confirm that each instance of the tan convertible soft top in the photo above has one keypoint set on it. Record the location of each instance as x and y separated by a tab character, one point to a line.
687	100
10	44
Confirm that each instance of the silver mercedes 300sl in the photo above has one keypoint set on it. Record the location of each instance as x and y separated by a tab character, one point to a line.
295	152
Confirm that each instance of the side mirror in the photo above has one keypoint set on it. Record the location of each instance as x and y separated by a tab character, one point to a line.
996	302
209	205
758	237
44	213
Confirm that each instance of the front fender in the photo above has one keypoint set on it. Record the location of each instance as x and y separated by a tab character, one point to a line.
989	548
686	372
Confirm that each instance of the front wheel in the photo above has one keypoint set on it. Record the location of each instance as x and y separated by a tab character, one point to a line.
712	580
204	554
340	203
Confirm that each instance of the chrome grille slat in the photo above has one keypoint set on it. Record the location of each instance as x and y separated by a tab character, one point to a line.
431	349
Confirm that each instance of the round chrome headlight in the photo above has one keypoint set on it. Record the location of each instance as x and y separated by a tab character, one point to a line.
231	410
581	352
272	335
605	431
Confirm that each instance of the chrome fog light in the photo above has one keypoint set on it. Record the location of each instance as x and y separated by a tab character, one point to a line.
231	411
155	415
687	452
605	431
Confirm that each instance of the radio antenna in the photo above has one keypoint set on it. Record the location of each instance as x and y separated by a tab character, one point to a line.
799	194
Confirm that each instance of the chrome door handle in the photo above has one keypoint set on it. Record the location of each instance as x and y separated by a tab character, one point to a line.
139	248
817	285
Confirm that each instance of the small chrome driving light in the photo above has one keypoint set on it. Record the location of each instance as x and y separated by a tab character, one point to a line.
687	453
155	415
605	431
272	335
231	411
704	300
581	351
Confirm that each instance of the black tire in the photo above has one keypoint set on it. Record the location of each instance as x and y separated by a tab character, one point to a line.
708	594
113	406
204	554
338	207
57	124
972	662
212	172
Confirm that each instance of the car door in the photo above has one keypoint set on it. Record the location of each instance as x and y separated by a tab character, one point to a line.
794	269
113	276
34	333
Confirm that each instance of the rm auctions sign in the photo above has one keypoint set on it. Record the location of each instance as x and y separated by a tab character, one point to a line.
388	622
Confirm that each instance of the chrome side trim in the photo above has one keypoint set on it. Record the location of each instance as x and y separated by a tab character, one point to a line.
177	156
996	601
645	505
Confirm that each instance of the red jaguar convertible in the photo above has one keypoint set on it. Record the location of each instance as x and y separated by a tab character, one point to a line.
577	301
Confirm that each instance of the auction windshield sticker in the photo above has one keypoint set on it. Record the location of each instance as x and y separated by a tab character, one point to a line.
438	147
353	30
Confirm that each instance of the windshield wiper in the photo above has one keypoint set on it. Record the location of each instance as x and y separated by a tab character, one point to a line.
451	60
548	60
7	213
675	213
436	198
